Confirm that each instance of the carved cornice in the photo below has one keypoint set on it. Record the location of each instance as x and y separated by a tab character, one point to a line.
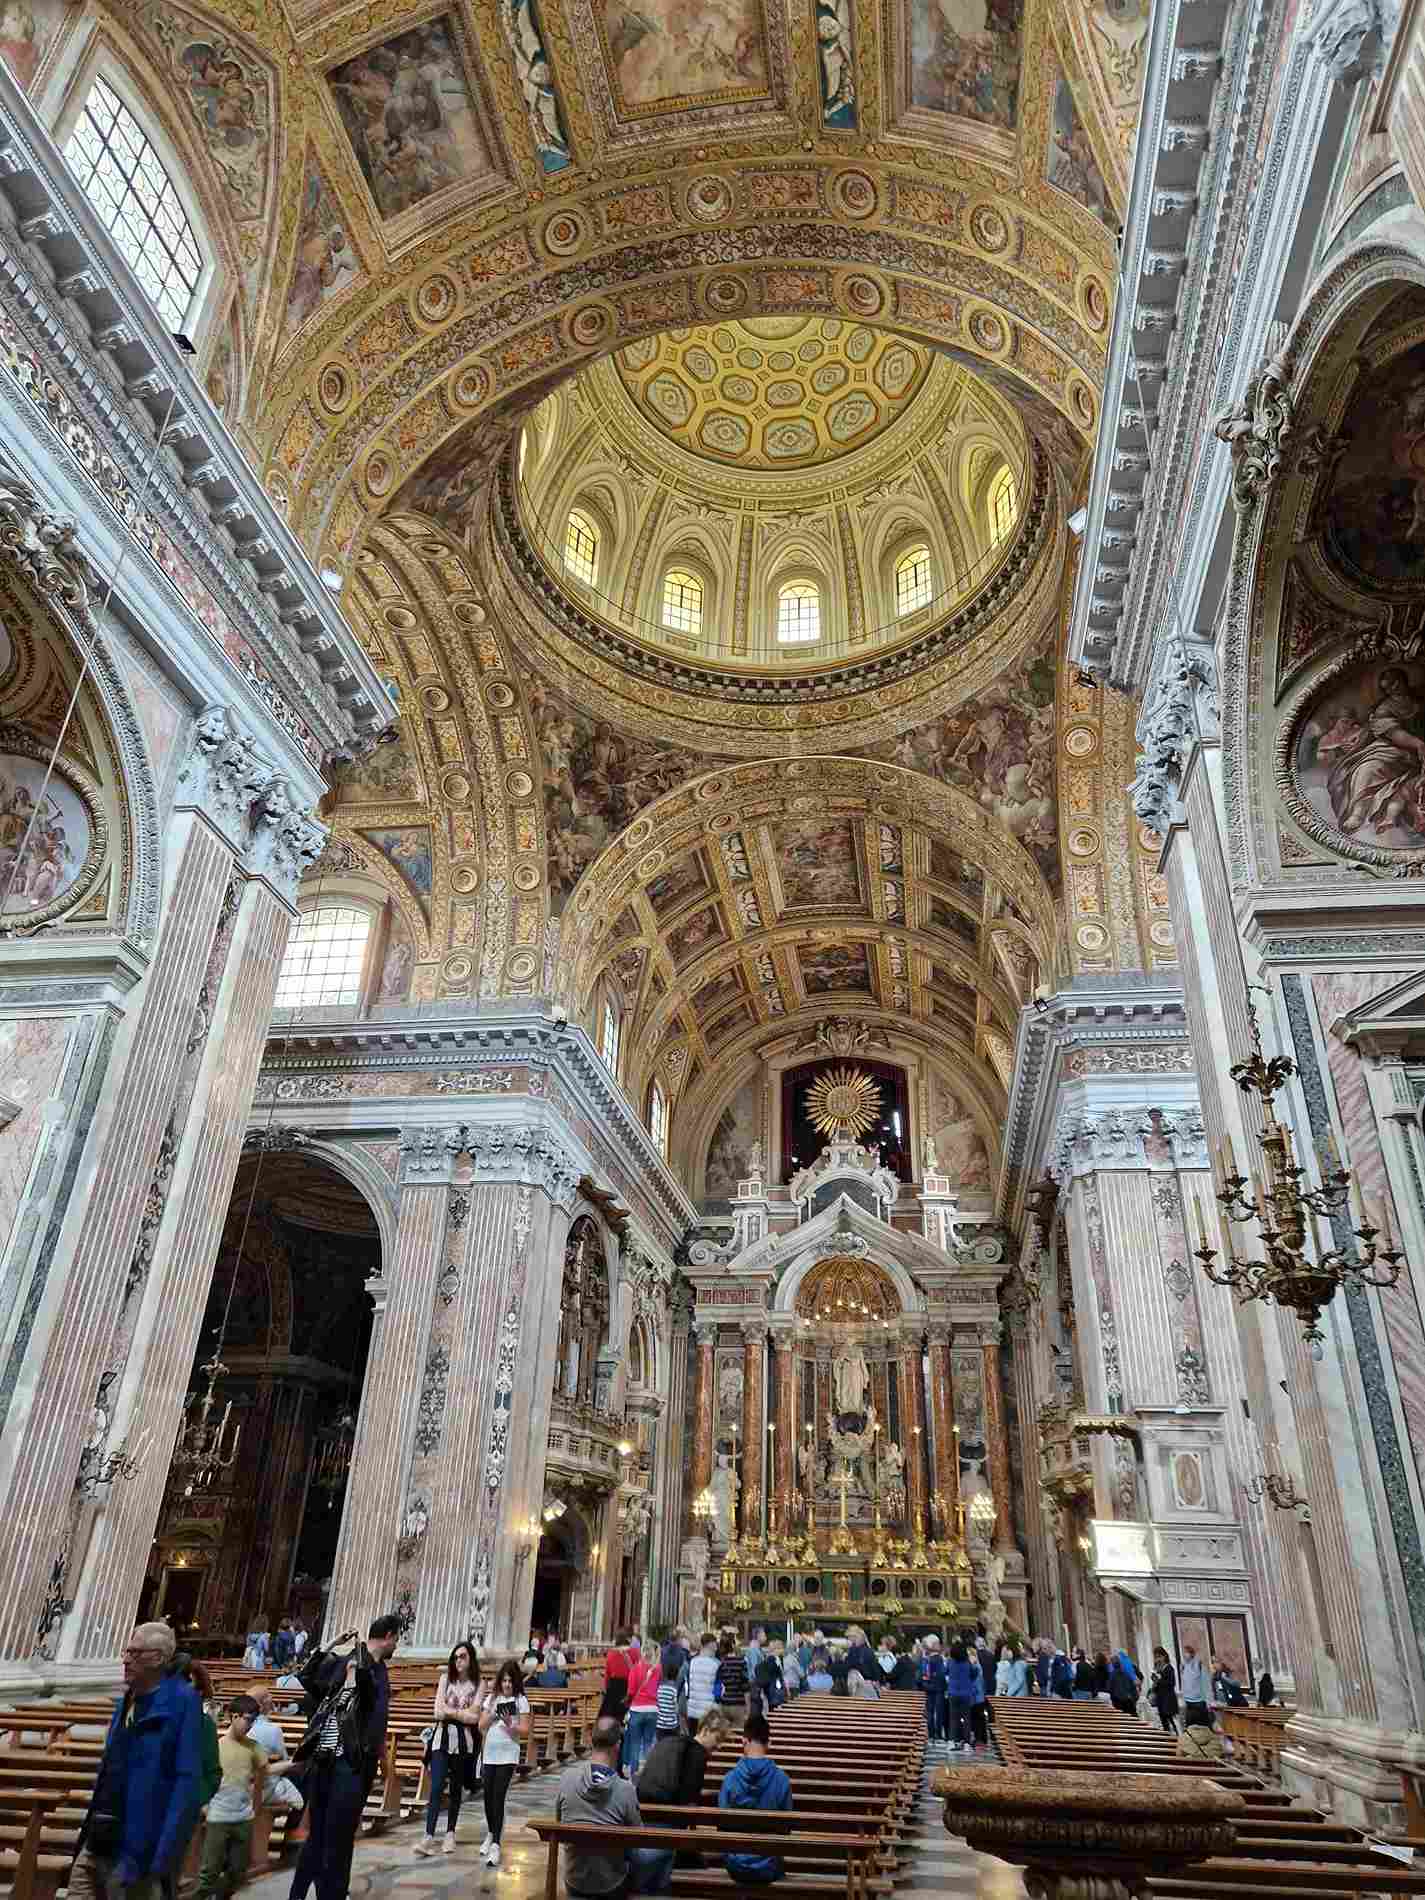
1249	149
121	369
1110	1032
498	1057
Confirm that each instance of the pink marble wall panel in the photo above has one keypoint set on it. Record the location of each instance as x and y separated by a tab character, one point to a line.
1400	1311
31	1054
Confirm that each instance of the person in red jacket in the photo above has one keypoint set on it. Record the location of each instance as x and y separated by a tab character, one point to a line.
617	1663
639	1729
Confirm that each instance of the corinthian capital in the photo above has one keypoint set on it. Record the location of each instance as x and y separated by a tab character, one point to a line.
286	841
224	774
429	1155
531	1156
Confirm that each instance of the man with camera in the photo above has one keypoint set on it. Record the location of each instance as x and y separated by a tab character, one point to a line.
341	1751
146	1797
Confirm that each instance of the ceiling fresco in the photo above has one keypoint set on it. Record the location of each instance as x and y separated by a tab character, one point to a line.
781	285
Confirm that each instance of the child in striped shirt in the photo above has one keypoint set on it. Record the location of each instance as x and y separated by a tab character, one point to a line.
668	1723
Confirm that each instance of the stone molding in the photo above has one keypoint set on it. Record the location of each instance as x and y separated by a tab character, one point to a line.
227	779
122	366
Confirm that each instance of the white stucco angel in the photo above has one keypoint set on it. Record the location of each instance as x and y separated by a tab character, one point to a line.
838	67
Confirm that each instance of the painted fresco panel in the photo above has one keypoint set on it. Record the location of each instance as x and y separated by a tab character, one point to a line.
661	53
1359	756
1072	165
730	1150
828	967
964	58
817	862
28	29
407	109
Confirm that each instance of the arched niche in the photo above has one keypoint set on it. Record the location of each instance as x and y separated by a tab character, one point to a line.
584	1312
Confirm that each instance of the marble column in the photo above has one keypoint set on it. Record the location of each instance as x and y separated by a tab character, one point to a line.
705	1403
997	1441
784	1476
364	1575
914	1434
160	1358
945	1451
754	1417
51	1415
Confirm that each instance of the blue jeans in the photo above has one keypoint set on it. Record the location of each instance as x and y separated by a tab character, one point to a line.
1083	1695
445	1773
935	1714
638	1733
650	1869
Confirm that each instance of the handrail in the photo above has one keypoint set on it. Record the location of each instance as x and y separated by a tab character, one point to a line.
547	541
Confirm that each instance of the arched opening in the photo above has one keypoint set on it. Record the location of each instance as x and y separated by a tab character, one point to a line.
798	613
581	547
251	1538
914	586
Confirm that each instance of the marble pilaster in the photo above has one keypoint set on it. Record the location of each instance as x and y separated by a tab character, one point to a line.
945	1459
915	1438
52	1410
754	1420
364	1574
705	1402
784	1474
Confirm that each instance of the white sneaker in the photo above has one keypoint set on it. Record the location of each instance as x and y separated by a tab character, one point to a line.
425	1845
492	1858
450	1843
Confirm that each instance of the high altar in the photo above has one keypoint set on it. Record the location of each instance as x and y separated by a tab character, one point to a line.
850	1457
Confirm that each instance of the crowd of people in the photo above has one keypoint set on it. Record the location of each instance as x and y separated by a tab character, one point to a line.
666	1708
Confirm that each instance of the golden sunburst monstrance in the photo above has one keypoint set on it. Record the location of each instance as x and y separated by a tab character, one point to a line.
844	1101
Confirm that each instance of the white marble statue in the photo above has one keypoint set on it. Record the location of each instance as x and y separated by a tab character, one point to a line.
754	1161
725	1486
853	1379
932	1160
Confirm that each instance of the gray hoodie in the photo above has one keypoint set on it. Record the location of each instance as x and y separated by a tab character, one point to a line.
594	1796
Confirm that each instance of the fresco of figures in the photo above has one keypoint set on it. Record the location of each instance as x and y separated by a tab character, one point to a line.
58	829
1359	757
998	747
1072	165
407	110
661	52
964	58
818	862
1375	511
27	31
325	262
595	781
959	1145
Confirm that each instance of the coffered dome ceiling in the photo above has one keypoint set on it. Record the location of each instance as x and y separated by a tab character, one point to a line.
774	392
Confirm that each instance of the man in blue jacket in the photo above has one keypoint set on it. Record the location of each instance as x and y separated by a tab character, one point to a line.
146	1797
756	1782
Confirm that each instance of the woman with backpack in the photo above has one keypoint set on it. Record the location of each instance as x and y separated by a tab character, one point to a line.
1123	1683
932	1681
731	1678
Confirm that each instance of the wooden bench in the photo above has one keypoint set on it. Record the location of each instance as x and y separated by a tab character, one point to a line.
806	1853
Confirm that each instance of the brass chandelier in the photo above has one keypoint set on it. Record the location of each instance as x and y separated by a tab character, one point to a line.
1283	1208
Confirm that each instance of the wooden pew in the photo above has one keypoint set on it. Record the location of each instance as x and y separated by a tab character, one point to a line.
808	1855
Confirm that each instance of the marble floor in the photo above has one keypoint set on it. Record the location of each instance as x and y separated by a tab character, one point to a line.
385	1865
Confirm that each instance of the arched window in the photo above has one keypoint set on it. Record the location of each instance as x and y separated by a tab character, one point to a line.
658	1118
913	581
682	601
609	1029
326	955
581	547
1004	505
124	179
798	613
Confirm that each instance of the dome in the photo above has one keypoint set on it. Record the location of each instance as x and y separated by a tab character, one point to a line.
772	494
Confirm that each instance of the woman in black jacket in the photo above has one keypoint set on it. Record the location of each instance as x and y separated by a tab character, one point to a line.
1164	1691
672	1776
